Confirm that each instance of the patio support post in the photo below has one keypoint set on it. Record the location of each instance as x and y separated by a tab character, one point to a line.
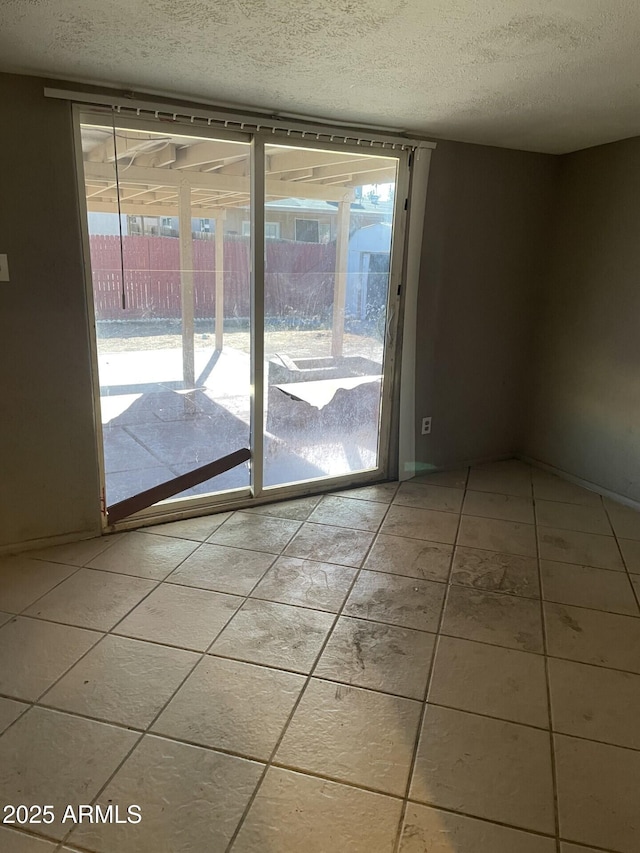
219	235
340	286
186	289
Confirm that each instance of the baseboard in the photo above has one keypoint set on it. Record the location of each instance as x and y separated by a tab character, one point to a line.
47	542
422	468
579	481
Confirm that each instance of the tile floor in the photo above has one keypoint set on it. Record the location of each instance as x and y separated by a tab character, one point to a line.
451	665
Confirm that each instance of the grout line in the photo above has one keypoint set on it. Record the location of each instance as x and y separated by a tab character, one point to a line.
543	625
114	630
635	591
139	740
201	657
304	688
108	539
339	614
432	665
39	703
276	557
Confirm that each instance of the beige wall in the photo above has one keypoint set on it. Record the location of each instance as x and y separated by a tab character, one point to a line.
48	476
585	413
483	264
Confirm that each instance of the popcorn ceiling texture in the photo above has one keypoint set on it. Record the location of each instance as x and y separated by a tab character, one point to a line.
535	74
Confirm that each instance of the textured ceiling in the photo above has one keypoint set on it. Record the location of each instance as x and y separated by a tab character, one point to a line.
543	75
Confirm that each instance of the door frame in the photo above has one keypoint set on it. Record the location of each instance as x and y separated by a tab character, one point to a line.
257	493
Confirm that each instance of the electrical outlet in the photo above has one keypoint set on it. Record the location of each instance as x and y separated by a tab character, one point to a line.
4	268
426	426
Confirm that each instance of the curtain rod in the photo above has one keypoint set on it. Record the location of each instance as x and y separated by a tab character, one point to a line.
237	121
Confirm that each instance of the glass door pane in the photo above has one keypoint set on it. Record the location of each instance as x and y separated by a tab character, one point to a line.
170	268
328	235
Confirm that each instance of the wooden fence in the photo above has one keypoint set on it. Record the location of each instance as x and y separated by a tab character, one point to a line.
299	279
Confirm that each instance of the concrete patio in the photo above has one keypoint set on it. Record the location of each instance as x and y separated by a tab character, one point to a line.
154	430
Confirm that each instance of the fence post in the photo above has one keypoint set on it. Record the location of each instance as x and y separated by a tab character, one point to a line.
186	289
219	234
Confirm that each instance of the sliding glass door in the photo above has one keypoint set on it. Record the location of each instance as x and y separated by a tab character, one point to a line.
205	334
325	310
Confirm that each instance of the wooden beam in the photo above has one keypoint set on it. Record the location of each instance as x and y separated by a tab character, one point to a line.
186	289
379	176
138	208
240	167
203	153
290	159
122	509
352	167
219	237
157	159
340	285
210	180
297	175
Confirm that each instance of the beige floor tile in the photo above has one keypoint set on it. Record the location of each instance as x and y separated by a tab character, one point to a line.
257	532
223	569
413	558
635	581
190	528
379	657
488	617
508	477
548	487
76	553
10	710
421	524
352	735
92	599
631	553
144	555
624	519
454	479
34	654
180	616
17	842
122	681
424	496
595	703
330	544
503	507
566	847
55	759
233	706
598	793
566	516
589	636
490	680
323	586
23	580
496	572
428	829
275	635
191	799
298	509
4	617
583	549
293	812
349	512
398	600
381	492
496	535
585	586
486	768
